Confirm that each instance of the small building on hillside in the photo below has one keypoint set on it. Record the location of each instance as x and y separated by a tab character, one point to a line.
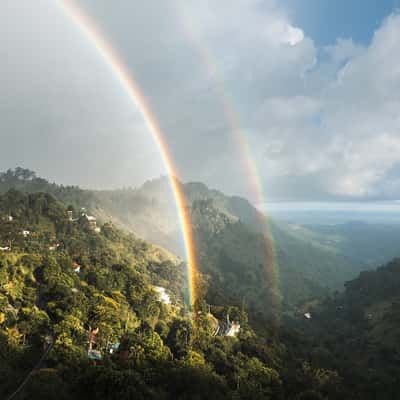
228	328
307	315
70	215
233	329
163	296
95	355
92	222
113	347
76	267
93	352
5	248
25	233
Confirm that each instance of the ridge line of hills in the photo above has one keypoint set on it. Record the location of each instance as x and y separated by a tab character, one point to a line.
228	232
89	298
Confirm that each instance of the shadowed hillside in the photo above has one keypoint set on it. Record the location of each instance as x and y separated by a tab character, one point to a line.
304	267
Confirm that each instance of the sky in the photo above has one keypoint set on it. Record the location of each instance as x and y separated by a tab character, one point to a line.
311	87
326	20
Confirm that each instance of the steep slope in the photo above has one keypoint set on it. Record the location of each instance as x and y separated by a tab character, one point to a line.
62	279
304	267
357	333
235	262
80	317
148	211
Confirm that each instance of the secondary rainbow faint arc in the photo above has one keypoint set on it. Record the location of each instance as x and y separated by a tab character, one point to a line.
132	89
245	152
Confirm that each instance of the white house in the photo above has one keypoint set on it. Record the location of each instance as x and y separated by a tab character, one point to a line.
233	329
25	233
163	296
90	218
92	222
229	328
307	315
6	248
76	267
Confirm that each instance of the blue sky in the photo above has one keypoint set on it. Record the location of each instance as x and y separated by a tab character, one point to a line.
326	20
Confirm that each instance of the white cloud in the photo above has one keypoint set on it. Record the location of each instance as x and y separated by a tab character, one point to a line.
318	127
343	131
293	35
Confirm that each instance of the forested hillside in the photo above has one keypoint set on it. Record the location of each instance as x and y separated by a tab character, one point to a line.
304	268
357	334
81	317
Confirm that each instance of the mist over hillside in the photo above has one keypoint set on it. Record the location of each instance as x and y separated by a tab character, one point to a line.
101	307
308	262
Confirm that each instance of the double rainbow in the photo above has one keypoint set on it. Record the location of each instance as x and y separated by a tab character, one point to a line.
132	89
247	158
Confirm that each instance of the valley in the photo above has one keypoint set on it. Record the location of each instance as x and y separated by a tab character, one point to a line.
66	277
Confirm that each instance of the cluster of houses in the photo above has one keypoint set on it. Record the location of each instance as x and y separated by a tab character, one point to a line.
26	233
228	328
93	352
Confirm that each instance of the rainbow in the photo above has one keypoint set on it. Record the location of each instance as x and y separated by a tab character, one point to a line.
132	89
244	149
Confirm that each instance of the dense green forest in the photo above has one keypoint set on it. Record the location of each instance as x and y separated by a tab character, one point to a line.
62	282
357	333
81	316
305	268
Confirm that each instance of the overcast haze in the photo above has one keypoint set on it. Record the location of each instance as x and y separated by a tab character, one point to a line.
319	104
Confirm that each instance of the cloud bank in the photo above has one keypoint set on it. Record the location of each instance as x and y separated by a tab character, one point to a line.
322	123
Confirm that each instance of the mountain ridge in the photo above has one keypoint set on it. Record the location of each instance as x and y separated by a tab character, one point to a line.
149	211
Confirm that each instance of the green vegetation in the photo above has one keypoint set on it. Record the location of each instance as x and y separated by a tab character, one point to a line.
70	292
357	334
80	315
306	268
